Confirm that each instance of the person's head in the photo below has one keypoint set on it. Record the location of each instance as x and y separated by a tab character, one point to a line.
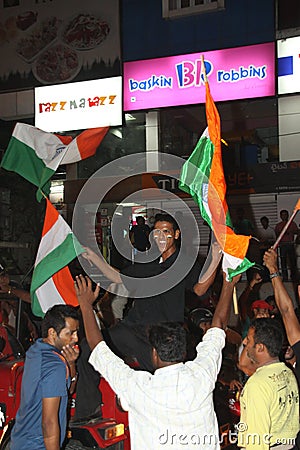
60	326
284	215
264	222
289	355
261	308
272	302
140	220
264	340
200	318
166	233
168	341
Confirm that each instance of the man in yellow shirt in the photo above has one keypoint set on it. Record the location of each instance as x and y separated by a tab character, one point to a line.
270	399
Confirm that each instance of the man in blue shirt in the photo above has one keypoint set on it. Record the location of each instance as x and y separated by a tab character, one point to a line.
48	373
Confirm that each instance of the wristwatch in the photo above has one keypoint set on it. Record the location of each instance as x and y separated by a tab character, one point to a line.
274	275
74	378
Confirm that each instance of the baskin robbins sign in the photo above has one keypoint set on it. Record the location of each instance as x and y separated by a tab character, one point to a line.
236	73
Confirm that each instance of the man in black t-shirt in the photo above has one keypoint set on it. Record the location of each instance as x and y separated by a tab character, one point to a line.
158	288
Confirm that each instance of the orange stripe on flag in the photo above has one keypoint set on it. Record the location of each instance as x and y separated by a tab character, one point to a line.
64	283
65	139
51	217
89	140
230	242
297	207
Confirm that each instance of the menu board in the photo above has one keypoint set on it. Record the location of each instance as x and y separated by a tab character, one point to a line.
58	41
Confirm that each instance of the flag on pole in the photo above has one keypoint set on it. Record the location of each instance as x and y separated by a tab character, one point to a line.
35	154
52	282
202	177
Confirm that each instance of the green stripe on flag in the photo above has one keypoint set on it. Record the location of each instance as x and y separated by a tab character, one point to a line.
60	257
36	307
245	265
22	159
195	175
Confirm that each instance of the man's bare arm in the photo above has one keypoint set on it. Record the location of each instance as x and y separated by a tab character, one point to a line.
222	311
50	423
283	300
86	297
108	271
6	288
209	276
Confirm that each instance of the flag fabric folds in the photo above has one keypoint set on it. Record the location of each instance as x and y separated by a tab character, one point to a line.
202	177
35	154
52	282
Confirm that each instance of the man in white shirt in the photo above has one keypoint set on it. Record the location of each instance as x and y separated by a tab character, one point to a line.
174	406
266	234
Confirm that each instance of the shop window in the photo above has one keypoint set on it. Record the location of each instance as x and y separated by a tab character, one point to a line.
119	141
178	8
249	127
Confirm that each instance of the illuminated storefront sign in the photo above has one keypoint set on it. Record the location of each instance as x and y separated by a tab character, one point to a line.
288	65
237	73
74	106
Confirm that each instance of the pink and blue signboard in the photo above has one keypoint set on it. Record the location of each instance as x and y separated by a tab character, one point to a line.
235	73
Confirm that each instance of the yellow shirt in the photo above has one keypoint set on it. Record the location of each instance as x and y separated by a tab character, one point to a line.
269	408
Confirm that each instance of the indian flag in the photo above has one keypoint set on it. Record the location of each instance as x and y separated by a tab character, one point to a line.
52	282
35	154
202	177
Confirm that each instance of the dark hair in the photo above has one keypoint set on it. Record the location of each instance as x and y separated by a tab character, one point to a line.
166	218
56	316
269	332
169	340
264	218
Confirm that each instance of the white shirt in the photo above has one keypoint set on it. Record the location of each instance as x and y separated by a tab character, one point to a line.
267	234
172	409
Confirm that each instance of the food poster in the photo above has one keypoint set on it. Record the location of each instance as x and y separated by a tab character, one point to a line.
57	41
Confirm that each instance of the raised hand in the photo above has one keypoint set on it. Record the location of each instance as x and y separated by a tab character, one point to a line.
84	290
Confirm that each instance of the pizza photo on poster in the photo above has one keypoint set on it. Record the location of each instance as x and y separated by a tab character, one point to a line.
43	47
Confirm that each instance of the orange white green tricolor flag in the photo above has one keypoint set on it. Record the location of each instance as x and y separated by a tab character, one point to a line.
52	282
35	154
202	177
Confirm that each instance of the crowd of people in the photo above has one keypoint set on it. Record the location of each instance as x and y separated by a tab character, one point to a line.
264	236
163	360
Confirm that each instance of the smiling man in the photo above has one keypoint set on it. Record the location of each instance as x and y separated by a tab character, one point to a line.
158	287
49	372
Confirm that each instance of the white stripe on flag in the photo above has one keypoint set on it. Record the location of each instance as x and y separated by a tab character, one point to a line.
47	146
230	262
53	239
72	155
205	199
48	295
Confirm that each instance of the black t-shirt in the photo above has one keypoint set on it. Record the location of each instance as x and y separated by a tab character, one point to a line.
167	306
141	237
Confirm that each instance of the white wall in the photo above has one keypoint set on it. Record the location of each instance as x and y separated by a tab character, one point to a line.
289	128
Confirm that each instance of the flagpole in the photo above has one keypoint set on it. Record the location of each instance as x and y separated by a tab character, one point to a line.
203	68
296	209
235	302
